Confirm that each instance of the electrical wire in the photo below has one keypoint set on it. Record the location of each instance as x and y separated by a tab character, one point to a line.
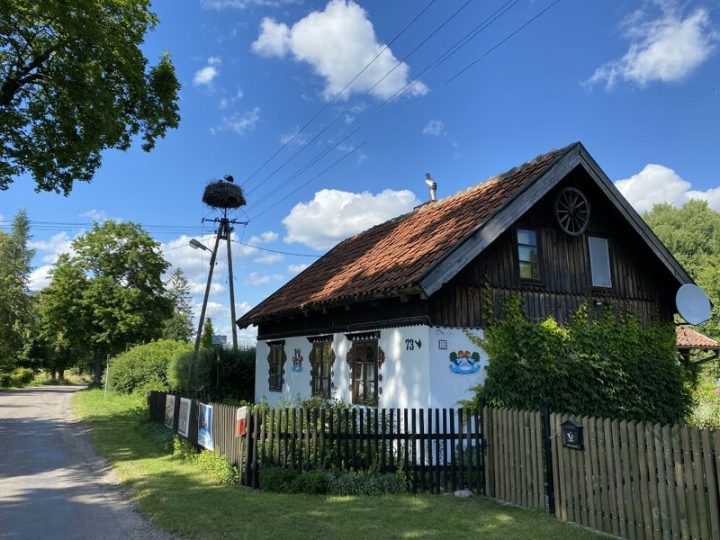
338	94
444	57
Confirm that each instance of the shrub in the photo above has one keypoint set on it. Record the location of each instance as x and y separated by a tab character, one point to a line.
217	466
279	480
144	367
313	482
21	376
233	370
605	366
183	449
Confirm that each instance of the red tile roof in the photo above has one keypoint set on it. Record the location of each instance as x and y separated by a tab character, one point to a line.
687	338
394	255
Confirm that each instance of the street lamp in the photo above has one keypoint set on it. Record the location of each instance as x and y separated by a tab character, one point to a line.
195	244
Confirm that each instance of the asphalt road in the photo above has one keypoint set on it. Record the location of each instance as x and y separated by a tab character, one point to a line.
52	483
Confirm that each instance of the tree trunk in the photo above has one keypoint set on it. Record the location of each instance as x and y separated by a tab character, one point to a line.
98	368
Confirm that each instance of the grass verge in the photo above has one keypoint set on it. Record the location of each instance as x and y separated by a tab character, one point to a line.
179	497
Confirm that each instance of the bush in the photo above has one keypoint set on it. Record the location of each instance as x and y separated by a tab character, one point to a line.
183	449
218	467
17	377
145	367
605	366
279	480
334	482
234	370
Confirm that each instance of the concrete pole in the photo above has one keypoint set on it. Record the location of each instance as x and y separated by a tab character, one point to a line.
204	304
228	232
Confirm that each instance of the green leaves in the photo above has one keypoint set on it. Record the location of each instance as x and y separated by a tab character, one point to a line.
599	365
74	82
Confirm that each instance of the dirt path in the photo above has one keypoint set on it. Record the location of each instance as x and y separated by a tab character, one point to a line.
52	483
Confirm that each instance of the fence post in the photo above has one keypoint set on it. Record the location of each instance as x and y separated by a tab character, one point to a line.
547	447
249	454
483	442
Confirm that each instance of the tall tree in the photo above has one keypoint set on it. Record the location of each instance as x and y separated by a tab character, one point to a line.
111	290
179	326
692	233
74	82
15	304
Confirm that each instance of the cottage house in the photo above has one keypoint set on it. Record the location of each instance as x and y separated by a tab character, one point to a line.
381	318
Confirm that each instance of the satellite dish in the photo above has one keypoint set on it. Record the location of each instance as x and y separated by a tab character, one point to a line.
692	304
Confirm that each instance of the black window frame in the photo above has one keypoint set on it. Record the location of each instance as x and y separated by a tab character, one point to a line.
538	251
276	366
322	359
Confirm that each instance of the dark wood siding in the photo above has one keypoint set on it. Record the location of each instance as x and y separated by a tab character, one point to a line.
640	283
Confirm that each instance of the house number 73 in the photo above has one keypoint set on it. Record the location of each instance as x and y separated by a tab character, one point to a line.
410	344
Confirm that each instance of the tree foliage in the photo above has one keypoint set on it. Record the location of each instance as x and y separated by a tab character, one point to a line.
179	326
603	366
144	367
15	298
109	295
74	82
692	234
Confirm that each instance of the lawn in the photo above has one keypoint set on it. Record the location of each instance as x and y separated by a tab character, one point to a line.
180	498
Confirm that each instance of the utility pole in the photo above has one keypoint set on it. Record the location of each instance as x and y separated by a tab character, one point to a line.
224	232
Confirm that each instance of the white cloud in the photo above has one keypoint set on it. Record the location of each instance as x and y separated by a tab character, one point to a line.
659	184
666	48
270	258
338	43
206	75
40	277
264	238
256	278
333	215
239	123
297	268
434	128
295	137
49	250
95	215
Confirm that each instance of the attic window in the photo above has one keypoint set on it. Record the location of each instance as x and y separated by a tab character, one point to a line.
599	261
528	254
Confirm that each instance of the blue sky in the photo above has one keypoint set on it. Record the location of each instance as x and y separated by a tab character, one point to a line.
637	82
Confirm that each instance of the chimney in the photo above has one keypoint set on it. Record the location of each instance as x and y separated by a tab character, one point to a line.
432	185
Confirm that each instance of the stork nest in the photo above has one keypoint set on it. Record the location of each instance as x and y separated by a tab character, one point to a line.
222	194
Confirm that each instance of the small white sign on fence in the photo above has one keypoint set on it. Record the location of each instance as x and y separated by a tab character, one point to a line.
169	410
184	417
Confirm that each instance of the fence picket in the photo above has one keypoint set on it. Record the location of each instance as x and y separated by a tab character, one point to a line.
700	494
692	510
712	488
679	482
653	481
664	490
421	421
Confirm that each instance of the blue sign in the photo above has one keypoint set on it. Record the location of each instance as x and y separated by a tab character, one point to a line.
205	434
464	362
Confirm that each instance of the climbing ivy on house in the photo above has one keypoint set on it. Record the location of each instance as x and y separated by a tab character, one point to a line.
605	366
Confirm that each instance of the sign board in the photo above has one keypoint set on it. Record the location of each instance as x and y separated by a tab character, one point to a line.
219	340
205	434
241	421
169	410
184	417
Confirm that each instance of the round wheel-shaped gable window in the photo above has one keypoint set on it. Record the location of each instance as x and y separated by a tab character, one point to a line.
572	211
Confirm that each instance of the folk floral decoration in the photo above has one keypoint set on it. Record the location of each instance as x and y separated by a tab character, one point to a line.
297	361
464	362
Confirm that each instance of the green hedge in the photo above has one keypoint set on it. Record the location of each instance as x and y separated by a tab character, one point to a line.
603	366
145	367
219	374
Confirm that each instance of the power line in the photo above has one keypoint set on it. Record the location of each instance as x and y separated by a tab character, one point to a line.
375	85
338	94
444	57
278	251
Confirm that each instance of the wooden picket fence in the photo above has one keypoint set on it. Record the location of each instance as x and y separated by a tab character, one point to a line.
439	450
632	479
639	480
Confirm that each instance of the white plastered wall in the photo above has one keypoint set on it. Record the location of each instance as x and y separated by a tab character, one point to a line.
416	373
